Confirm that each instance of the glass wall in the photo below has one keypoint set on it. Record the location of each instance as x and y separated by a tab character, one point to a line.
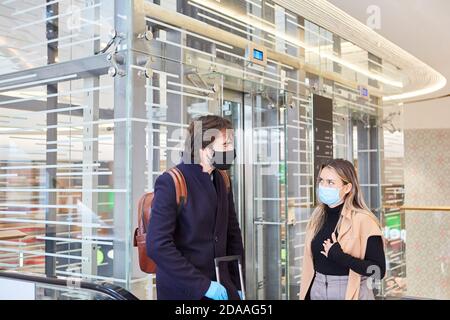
89	118
58	173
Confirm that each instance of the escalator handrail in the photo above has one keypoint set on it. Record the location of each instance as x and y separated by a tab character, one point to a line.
111	290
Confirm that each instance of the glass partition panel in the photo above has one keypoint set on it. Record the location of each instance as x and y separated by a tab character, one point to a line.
269	192
35	33
60	181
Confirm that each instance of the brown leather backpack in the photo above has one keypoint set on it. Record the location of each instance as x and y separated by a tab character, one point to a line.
146	264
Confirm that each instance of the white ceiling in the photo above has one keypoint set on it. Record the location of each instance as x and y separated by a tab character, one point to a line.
418	77
421	27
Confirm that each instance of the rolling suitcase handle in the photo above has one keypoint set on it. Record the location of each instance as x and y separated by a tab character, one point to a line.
228	259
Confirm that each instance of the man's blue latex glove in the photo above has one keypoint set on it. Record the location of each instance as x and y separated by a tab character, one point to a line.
240	294
216	291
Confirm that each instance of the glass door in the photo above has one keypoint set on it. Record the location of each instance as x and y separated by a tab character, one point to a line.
265	190
232	110
270	182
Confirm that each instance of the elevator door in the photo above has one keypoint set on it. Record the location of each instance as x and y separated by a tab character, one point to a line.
232	107
259	185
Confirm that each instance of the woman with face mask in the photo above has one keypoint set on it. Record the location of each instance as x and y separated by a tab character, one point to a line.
343	242
184	244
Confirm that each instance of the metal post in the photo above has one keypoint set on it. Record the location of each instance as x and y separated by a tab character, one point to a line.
250	248
51	157
129	136
90	155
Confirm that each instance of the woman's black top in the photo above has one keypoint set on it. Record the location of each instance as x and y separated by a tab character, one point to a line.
339	263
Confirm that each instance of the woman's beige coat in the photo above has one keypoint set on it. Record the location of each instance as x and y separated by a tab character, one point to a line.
356	227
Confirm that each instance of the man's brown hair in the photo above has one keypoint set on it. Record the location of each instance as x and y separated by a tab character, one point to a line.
202	131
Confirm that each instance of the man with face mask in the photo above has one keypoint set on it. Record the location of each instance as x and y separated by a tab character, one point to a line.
184	245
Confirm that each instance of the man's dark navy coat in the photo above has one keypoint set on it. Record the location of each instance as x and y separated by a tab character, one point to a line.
184	245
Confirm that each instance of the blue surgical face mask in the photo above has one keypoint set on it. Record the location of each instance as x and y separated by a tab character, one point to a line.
328	196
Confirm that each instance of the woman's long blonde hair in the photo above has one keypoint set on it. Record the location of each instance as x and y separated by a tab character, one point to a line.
353	200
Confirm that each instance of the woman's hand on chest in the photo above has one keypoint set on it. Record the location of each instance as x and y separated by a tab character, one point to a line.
327	244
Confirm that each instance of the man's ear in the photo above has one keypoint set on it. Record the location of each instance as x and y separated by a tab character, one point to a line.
204	152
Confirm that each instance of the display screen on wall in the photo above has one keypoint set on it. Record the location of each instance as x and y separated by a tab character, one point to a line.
323	131
258	54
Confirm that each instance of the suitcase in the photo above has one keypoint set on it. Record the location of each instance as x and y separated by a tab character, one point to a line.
229	259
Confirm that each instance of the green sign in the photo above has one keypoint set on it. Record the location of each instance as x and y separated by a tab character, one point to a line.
282	173
394	221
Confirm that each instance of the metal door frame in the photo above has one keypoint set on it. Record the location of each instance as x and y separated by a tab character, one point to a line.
238	97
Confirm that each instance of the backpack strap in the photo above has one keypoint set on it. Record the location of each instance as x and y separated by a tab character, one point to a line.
226	179
180	187
145	214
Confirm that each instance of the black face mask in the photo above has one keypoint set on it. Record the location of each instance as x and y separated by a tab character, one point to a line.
223	160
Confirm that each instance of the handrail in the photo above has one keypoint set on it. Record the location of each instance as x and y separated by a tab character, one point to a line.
113	291
420	208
